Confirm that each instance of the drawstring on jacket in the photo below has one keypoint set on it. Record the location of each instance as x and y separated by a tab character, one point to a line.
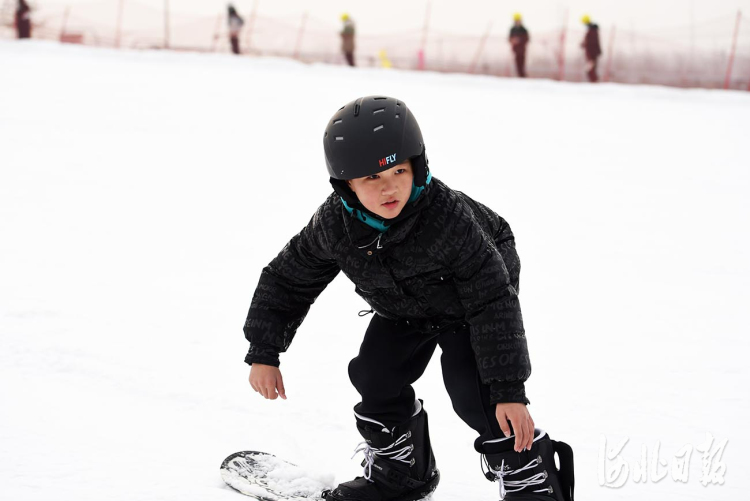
376	240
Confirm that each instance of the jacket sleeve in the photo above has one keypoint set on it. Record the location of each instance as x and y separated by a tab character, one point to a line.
506	245
286	289
493	310
502	235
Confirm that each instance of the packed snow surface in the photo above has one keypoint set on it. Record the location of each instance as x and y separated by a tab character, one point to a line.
141	194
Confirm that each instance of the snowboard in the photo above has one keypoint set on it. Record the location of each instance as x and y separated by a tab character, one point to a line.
265	477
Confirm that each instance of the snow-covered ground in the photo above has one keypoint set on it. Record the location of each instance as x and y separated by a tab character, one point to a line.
141	193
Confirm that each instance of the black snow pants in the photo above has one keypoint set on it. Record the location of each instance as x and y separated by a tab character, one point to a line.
521	63
235	41
394	355
591	70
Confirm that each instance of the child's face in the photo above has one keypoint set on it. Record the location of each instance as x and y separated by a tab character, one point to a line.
385	193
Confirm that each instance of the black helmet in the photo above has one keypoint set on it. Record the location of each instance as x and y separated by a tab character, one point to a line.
372	134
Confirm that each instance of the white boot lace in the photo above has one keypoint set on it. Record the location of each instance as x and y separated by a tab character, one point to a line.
391	452
371	452
507	486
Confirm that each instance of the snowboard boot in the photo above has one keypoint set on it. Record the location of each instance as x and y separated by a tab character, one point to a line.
398	464
530	475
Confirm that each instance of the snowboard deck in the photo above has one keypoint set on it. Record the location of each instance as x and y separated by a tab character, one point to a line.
265	477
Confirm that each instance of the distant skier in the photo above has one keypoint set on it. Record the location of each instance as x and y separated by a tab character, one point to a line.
347	39
235	26
519	38
591	47
23	20
436	268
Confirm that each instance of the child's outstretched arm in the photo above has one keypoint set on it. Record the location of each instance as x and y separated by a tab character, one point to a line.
286	289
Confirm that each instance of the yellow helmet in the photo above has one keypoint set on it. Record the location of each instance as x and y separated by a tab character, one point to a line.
344	16
517	16
586	19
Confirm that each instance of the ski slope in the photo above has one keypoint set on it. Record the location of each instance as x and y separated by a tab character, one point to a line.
141	193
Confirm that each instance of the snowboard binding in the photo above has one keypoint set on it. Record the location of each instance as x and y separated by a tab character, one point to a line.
530	475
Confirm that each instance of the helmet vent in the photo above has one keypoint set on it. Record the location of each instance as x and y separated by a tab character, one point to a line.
381	126
380	98
342	107
339	138
379	110
337	121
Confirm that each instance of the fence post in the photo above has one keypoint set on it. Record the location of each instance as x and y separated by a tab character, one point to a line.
166	24
299	36
728	78
118	34
561	57
483	41
608	69
420	56
217	27
64	23
251	26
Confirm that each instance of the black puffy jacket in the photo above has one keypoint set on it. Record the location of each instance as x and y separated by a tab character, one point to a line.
452	261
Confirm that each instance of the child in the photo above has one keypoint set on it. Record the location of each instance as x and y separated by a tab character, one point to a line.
437	268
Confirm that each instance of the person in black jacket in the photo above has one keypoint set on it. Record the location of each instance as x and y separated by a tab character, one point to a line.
592	48
519	38
438	269
235	22
22	20
347	38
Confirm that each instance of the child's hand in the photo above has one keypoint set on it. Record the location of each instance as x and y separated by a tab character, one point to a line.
266	380
520	420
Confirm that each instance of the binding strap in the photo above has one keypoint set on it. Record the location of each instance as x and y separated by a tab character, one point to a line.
392	476
566	475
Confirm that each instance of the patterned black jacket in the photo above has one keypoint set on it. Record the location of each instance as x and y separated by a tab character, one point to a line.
452	261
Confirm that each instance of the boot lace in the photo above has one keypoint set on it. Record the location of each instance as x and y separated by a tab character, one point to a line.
507	486
392	452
